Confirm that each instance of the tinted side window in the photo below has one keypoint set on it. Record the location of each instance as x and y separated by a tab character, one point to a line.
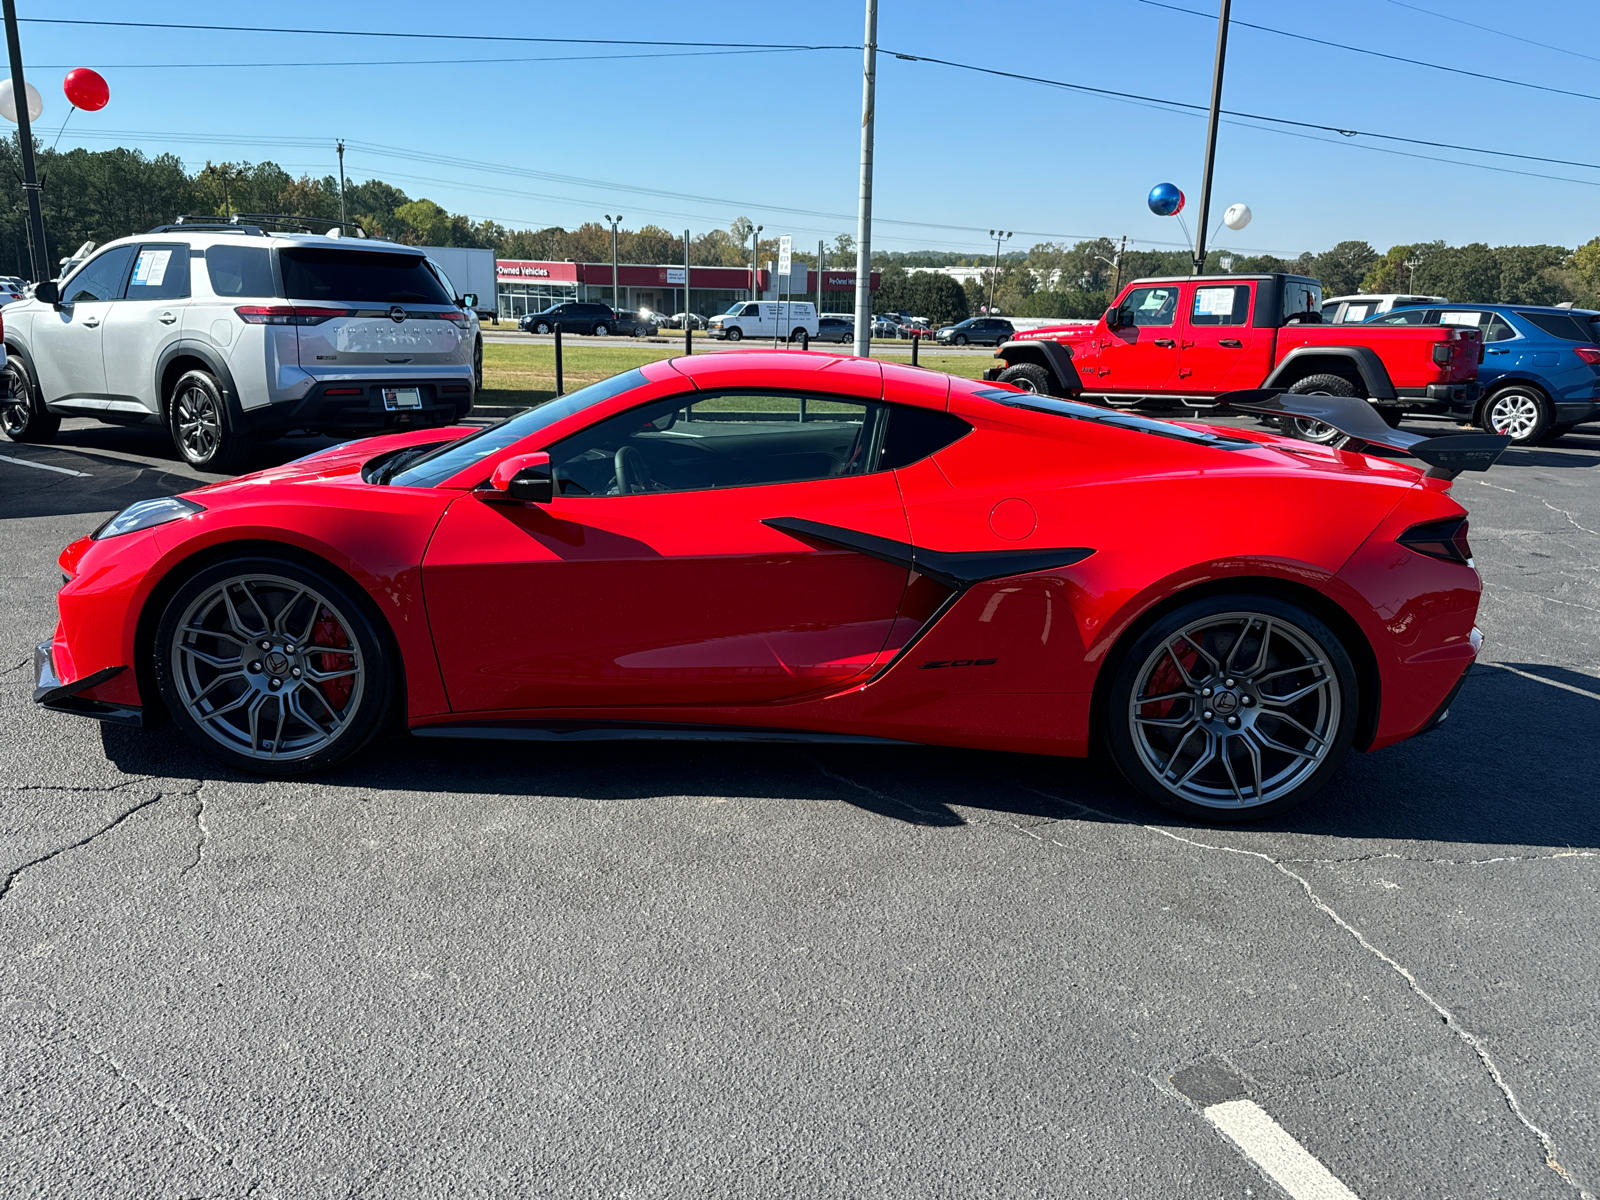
1499	330
1402	316
359	276
1221	305
240	270
1300	296
1151	305
914	433
1567	328
160	273
101	278
725	440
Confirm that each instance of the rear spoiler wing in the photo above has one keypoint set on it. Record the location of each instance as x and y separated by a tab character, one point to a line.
1446	456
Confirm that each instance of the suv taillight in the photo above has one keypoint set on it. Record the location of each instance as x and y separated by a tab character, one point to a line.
289	314
1589	354
458	318
1445	540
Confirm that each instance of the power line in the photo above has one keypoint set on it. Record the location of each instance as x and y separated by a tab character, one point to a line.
1399	58
1455	20
437	37
415	62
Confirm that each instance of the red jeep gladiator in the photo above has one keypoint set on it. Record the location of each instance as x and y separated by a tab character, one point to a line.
1182	342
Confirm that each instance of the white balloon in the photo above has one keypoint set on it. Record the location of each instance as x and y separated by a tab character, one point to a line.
1237	216
8	102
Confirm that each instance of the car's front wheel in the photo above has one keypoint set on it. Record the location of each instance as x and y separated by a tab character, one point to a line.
271	667
1030	377
1232	708
960	339
197	416
542	327
23	416
1521	412
735	334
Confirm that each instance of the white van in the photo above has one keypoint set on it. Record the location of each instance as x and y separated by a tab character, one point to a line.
792	320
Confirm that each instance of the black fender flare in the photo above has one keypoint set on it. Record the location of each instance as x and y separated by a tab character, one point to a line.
1374	375
214	362
1055	357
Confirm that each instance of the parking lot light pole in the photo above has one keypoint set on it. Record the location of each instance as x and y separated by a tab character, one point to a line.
1211	137
755	249
869	74
616	304
994	276
30	181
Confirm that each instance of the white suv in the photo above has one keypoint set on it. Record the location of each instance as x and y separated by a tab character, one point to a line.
225	334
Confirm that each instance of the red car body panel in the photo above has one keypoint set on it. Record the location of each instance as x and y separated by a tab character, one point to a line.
686	608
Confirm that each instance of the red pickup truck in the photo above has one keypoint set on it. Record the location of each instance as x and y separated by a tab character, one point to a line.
1182	342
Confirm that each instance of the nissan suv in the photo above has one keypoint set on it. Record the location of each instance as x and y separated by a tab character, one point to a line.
226	334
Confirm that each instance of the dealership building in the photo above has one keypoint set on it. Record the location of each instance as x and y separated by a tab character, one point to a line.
523	286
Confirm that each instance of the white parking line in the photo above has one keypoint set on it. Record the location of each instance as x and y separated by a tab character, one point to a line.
1555	683
39	466
1267	1144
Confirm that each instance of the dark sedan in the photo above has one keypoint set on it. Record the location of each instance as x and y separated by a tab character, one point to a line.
977	331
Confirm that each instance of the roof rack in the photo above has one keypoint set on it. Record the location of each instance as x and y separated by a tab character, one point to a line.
252	223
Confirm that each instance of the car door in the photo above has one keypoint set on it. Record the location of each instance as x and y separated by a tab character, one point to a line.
1141	354
652	577
147	320
67	341
1221	349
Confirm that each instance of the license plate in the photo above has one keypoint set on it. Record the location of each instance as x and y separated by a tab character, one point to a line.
397	398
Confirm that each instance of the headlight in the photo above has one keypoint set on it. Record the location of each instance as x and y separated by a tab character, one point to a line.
146	515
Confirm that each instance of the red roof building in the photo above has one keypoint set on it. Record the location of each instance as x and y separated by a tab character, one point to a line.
524	286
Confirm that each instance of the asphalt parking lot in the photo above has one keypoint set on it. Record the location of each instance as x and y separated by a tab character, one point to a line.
672	970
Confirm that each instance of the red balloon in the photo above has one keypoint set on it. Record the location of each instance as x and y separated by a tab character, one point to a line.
86	89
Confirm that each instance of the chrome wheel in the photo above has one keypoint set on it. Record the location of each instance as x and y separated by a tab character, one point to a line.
267	667
1235	710
1515	414
198	424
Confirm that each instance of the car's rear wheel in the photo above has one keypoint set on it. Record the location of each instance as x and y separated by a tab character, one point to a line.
1316	431
601	330
23	416
1232	708
271	667
197	416
1522	413
960	339
1030	377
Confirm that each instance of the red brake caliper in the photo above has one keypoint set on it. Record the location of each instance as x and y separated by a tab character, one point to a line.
328	632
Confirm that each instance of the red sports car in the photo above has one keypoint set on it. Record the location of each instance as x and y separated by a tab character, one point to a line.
787	546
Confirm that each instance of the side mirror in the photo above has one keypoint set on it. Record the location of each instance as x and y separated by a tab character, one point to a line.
1113	317
49	292
470	300
523	478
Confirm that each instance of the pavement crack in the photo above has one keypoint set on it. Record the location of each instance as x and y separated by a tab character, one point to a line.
1441	862
16	667
1569	517
5	887
202	830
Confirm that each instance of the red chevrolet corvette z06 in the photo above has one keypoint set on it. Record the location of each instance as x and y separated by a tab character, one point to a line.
784	546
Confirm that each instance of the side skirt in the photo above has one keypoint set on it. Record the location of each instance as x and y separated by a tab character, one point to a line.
637	731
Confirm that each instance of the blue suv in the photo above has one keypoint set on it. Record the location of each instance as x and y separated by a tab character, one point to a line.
1540	374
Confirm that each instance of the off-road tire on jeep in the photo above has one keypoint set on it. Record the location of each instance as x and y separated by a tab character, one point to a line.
23	416
197	418
1030	377
1316	431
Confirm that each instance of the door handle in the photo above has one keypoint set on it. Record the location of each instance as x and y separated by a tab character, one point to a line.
167	318
1231	343
1168	342
91	322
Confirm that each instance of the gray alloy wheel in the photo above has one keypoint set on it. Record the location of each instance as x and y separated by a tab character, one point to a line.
960	339
22	417
1519	412
1233	708
541	327
270	668
735	334
602	330
198	420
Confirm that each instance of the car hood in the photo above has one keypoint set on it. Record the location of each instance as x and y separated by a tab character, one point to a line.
335	463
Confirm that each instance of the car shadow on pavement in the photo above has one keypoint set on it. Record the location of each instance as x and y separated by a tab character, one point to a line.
1503	770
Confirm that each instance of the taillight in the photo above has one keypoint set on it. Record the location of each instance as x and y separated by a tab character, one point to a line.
1445	540
288	314
1589	354
1443	352
458	318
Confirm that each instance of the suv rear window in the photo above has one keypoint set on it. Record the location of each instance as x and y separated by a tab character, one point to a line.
359	276
1567	327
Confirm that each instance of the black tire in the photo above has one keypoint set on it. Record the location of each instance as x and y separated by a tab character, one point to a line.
1316	431
1030	377
1213	789
960	339
601	329
201	427
801	336
541	327
735	334
477	369
23	416
1519	410
188	685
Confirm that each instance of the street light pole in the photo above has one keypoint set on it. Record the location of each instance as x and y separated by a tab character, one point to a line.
616	295
30	181
869	78
994	275
755	249
342	217
1211	137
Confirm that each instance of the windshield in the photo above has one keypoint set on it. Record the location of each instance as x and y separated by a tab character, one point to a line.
734	307
1116	420
359	276
435	468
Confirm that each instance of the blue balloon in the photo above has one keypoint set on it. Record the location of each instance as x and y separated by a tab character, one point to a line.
1166	200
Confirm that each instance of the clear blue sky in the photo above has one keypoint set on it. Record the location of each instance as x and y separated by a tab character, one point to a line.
955	149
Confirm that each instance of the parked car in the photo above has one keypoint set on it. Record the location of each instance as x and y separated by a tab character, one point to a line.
225	333
12	289
676	320
978	331
791	320
1540	374
631	323
1352	310
572	316
917	327
836	329
1182	342
885	326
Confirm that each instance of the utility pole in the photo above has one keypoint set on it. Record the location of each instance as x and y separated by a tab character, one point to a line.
821	253
30	181
999	235
1116	267
1211	137
342	217
869	73
688	312
755	249
616	305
